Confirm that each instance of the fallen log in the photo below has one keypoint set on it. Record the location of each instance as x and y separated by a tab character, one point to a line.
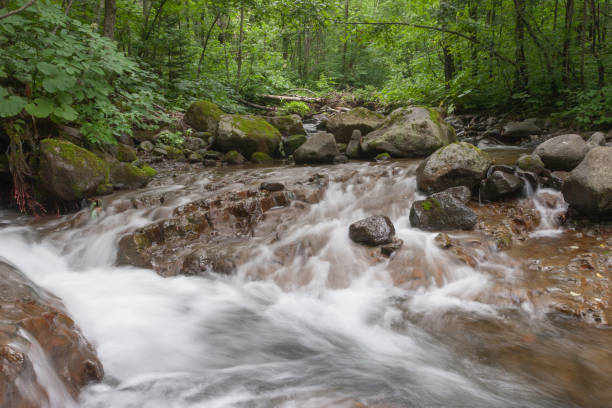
254	105
291	98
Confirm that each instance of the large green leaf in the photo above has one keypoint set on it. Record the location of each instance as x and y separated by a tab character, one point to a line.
47	69
61	82
10	105
41	107
66	112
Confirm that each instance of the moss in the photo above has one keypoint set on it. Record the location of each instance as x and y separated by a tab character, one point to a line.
383	157
203	116
104	189
127	175
174	153
261	157
430	204
256	126
126	153
148	171
435	116
293	143
342	147
234	157
427	205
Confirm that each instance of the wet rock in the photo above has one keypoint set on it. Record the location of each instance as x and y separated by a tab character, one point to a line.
458	164
234	157
174	153
319	148
340	159
69	172
203	116
261	158
194	143
217	258
293	143
287	125
146	146
343	124
195	158
352	149
158	151
212	155
210	163
514	131
563	152
26	308
382	157
125	175
409	132
461	193
501	185
247	134
531	163
588	188
126	153
597	139
442	212
271	186
389	249
372	231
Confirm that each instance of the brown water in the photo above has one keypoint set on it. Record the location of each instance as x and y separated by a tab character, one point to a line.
310	319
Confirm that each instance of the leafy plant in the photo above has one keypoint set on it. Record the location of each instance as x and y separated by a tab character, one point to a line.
169	138
296	107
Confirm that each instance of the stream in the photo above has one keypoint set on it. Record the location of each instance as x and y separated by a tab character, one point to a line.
329	325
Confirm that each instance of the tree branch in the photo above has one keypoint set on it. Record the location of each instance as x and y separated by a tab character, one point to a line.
432	28
19	10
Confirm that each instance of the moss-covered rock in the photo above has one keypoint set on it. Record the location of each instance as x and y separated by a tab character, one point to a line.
343	124
69	172
382	157
174	153
261	157
247	134
125	175
292	143
203	116
409	132
287	125
234	157
126	153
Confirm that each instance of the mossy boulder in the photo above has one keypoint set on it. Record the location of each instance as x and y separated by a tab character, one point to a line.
126	175
174	153
287	125
293	143
409	132
234	157
203	116
126	153
442	212
261	157
382	157
69	172
247	134
458	164
343	124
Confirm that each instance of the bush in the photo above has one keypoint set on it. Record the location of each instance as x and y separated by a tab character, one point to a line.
298	108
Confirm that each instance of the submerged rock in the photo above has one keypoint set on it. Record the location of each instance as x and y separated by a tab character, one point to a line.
343	124
458	164
69	172
247	134
26	308
409	132
563	152
442	212
372	231
319	148
588	188
203	116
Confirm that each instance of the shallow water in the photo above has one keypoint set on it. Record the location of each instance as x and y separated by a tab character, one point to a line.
328	326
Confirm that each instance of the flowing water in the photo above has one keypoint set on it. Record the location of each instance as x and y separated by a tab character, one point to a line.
329	326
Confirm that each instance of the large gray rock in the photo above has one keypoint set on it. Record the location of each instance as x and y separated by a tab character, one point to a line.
247	134
287	125
372	231
409	132
319	148
458	164
597	139
125	175
442	212
362	119
203	116
514	131
352	150
563	152
70	172
531	163
501	185
588	188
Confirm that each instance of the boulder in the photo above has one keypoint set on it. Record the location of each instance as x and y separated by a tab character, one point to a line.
442	212
287	125
501	185
194	143
352	150
319	148
461	193
261	158
29	313
531	163
609	135
234	157
341	159
515	131
372	231
126	153
174	153
409	132
70	172
125	175
588	188
343	124
292	143
271	186
195	158
597	139
203	116
563	152
247	134
146	146
458	164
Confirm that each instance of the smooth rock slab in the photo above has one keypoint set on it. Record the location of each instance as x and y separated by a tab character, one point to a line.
563	152
588	188
372	231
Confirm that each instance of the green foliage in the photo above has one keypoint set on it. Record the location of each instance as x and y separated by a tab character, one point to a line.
298	108
169	138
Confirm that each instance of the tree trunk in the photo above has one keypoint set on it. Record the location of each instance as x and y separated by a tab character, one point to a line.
345	45
565	53
521	79
110	16
239	57
205	44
